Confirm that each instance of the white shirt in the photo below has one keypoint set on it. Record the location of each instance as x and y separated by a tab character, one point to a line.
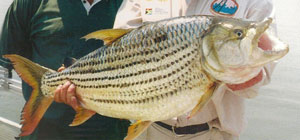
89	6
226	108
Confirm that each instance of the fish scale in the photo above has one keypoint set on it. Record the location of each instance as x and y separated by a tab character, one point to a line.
143	70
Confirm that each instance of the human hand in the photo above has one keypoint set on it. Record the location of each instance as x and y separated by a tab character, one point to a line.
66	93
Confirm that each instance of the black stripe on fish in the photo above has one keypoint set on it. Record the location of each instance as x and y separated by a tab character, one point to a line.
123	85
123	66
148	98
131	74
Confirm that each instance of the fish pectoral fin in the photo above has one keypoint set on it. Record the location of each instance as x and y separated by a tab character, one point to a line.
203	100
107	35
136	129
81	116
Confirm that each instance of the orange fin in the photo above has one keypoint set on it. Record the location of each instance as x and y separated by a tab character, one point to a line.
203	100
136	129
107	35
81	116
33	112
37	104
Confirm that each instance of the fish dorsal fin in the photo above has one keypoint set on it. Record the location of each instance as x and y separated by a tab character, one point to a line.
136	129
107	35
81	116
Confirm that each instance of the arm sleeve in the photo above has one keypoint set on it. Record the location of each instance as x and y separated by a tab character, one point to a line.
129	15
259	10
15	33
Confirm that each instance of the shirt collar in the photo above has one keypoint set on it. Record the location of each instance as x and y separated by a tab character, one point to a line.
87	5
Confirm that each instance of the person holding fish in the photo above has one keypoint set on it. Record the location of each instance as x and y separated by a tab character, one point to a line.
222	118
179	78
48	31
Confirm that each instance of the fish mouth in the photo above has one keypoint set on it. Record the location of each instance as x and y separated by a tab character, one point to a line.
268	47
278	47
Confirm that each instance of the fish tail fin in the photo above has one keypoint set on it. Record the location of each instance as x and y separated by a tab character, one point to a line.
37	104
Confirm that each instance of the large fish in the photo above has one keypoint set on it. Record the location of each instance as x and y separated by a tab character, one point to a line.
155	72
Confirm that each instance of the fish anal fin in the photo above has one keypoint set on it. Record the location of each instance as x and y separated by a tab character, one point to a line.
81	116
136	129
203	100
107	35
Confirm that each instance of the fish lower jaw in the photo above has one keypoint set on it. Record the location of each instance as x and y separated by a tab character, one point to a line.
277	51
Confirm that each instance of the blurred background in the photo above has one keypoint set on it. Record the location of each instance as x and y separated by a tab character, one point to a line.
273	115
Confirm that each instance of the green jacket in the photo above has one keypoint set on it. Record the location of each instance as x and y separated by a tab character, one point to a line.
48	31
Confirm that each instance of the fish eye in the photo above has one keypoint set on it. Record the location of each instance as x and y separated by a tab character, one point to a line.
238	32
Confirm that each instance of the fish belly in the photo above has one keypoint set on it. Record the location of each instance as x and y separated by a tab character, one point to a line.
152	109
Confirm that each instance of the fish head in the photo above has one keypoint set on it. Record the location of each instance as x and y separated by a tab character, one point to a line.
230	50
